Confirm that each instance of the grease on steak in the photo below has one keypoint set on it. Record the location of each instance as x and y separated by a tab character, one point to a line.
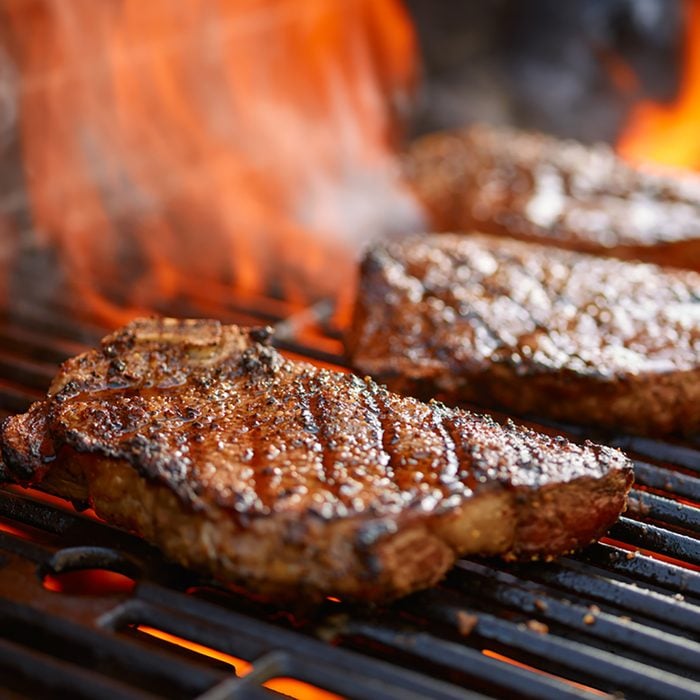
295	480
539	188
532	329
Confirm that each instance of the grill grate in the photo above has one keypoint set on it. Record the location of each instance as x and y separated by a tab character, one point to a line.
621	618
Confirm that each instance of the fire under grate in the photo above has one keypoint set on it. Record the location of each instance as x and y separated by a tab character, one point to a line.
620	619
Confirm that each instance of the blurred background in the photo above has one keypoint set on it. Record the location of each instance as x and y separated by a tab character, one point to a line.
573	69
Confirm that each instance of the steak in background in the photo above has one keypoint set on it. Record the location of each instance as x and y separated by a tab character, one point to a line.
539	188
532	329
295	480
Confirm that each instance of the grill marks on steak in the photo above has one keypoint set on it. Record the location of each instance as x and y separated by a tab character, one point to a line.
539	188
532	329
293	479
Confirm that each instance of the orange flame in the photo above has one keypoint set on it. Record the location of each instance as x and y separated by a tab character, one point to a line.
244	142
668	134
291	687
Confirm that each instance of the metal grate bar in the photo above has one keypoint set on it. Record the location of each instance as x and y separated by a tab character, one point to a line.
664	510
679	455
657	539
31	374
303	350
643	568
352	674
239	689
649	642
64	326
15	398
31	345
666	480
451	655
613	671
29	550
574	577
43	671
87	647
24	509
592	585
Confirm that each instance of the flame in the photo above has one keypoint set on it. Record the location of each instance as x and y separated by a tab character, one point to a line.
168	145
288	686
668	133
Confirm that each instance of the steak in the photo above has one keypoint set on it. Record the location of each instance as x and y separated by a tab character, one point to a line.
562	193
295	480
534	329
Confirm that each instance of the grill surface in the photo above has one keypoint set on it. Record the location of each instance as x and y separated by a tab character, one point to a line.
621	618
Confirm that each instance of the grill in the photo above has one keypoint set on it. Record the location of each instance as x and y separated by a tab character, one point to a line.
620	618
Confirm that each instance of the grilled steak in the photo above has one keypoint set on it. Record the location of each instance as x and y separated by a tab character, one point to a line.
293	479
562	193
533	329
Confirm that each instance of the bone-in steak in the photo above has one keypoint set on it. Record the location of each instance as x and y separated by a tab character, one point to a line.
539	188
292	479
533	329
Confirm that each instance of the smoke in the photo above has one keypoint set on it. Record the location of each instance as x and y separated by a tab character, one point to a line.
8	121
246	143
8	99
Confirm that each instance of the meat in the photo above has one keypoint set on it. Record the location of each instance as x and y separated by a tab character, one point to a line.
533	329
295	480
538	188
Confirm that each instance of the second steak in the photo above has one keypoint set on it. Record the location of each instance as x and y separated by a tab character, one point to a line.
562	193
533	329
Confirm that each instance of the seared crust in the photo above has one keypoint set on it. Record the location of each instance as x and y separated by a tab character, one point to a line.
292	479
539	188
532	329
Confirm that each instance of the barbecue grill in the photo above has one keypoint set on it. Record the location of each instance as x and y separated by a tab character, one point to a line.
619	619
87	611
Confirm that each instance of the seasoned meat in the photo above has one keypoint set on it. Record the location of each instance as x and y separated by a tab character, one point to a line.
295	480
539	188
533	329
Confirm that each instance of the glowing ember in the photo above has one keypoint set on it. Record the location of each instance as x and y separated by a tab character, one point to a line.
89	582
16	531
50	500
668	134
26	532
291	687
239	665
243	142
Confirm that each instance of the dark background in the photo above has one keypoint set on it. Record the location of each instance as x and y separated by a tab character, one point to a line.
569	67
